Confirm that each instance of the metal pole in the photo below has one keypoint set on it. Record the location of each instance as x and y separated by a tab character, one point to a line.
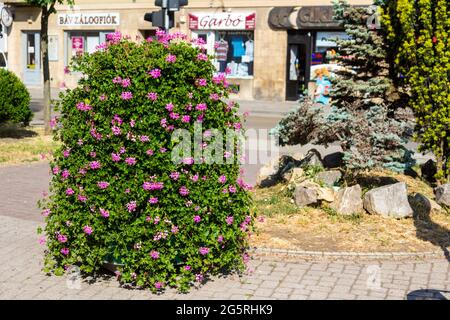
166	15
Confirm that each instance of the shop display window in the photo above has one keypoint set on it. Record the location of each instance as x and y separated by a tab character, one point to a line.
84	42
231	49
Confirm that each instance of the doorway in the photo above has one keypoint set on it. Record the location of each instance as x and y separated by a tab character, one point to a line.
31	58
298	65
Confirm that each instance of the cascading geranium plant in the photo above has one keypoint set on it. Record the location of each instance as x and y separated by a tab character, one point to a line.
117	195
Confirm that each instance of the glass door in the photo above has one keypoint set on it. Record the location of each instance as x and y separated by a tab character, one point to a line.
298	65
32	58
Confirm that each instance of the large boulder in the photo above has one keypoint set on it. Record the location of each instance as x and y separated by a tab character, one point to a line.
442	194
271	173
423	206
324	194
304	196
429	170
348	200
389	201
329	178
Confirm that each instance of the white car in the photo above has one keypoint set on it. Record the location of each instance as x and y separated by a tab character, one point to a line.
3	64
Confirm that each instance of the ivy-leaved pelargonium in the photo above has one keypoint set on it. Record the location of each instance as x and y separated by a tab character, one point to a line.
118	196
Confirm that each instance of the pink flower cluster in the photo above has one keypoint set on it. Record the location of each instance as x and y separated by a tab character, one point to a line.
171	58
83	106
150	186
155	73
103	184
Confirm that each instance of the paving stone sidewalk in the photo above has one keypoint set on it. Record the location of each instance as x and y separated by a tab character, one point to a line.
271	277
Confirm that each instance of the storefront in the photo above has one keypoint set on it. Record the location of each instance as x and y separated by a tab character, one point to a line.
311	48
229	38
271	52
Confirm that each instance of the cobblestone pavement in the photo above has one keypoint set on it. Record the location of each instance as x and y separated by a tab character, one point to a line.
270	277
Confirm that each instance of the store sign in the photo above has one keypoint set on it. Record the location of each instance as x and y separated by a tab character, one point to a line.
89	19
78	44
222	21
317	16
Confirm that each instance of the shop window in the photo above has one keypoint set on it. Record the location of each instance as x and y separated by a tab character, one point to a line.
84	42
323	63
232	49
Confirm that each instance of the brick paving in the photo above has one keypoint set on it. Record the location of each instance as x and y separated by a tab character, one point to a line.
269	277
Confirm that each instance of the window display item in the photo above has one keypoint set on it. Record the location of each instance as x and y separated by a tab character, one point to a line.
238	46
222	50
323	86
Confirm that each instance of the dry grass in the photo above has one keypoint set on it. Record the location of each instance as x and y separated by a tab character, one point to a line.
20	145
322	229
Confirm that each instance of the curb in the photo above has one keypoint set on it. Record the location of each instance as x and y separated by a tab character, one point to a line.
365	255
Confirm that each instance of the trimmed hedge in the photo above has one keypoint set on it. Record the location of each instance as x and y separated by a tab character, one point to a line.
14	99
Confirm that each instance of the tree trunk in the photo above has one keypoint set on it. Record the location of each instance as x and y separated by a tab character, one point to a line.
46	70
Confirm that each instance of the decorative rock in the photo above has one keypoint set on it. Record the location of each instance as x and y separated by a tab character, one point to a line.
329	177
295	175
304	196
423	206
389	201
321	193
429	170
442	194
348	200
325	194
312	158
271	173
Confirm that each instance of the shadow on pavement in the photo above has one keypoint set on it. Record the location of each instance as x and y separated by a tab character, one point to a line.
428	230
427	294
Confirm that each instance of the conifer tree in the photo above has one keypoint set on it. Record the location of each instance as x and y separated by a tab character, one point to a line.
365	118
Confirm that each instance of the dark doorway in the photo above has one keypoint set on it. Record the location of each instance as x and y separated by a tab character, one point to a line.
298	64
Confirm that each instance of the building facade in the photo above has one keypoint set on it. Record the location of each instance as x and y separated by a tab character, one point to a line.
271	47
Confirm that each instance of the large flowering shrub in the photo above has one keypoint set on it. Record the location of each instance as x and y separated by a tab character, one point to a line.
116	193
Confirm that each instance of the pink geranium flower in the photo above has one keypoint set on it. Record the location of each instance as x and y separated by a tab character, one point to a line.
184	191
171	58
65	251
203	251
155	73
197	219
201	107
115	157
130	161
95	165
126	83
88	230
222	179
202	57
104	213
154	254
103	184
126	95
131	206
153	200
152	96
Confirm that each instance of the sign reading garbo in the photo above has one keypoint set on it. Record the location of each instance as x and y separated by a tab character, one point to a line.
222	21
89	19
